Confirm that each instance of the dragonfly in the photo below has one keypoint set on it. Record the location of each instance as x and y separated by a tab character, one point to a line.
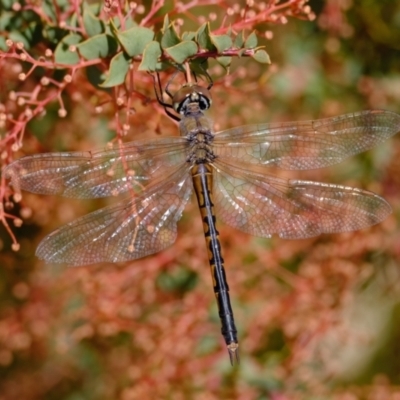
232	175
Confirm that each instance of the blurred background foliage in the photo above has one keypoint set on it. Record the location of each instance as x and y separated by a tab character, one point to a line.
318	318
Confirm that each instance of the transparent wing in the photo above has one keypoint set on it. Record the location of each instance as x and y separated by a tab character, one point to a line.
263	205
128	230
308	144
98	173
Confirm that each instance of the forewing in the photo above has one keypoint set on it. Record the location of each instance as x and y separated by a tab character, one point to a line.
263	205
128	230
308	144
98	173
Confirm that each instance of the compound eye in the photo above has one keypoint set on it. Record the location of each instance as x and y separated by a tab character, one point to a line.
182	105
204	103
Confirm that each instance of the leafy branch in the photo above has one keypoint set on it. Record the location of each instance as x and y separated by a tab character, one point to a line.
53	48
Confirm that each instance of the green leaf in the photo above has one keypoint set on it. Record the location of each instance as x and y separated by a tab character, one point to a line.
182	51
221	42
164	65
130	23
73	21
94	8
165	23
262	57
134	40
189	35
5	20
95	77
17	36
112	26
48	9
239	40
203	37
119	67
251	41
151	54
63	55
7	4
61	4
98	46
170	37
199	66
93	25
54	34
3	45
29	35
52	9
224	62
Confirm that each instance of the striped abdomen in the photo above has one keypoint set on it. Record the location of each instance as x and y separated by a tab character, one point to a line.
203	183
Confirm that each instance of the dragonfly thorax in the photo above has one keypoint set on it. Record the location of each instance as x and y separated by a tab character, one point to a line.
191	99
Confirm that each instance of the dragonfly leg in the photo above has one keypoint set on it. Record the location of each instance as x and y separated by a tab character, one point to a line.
158	92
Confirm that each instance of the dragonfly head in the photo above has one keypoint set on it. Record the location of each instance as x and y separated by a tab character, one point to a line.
191	95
